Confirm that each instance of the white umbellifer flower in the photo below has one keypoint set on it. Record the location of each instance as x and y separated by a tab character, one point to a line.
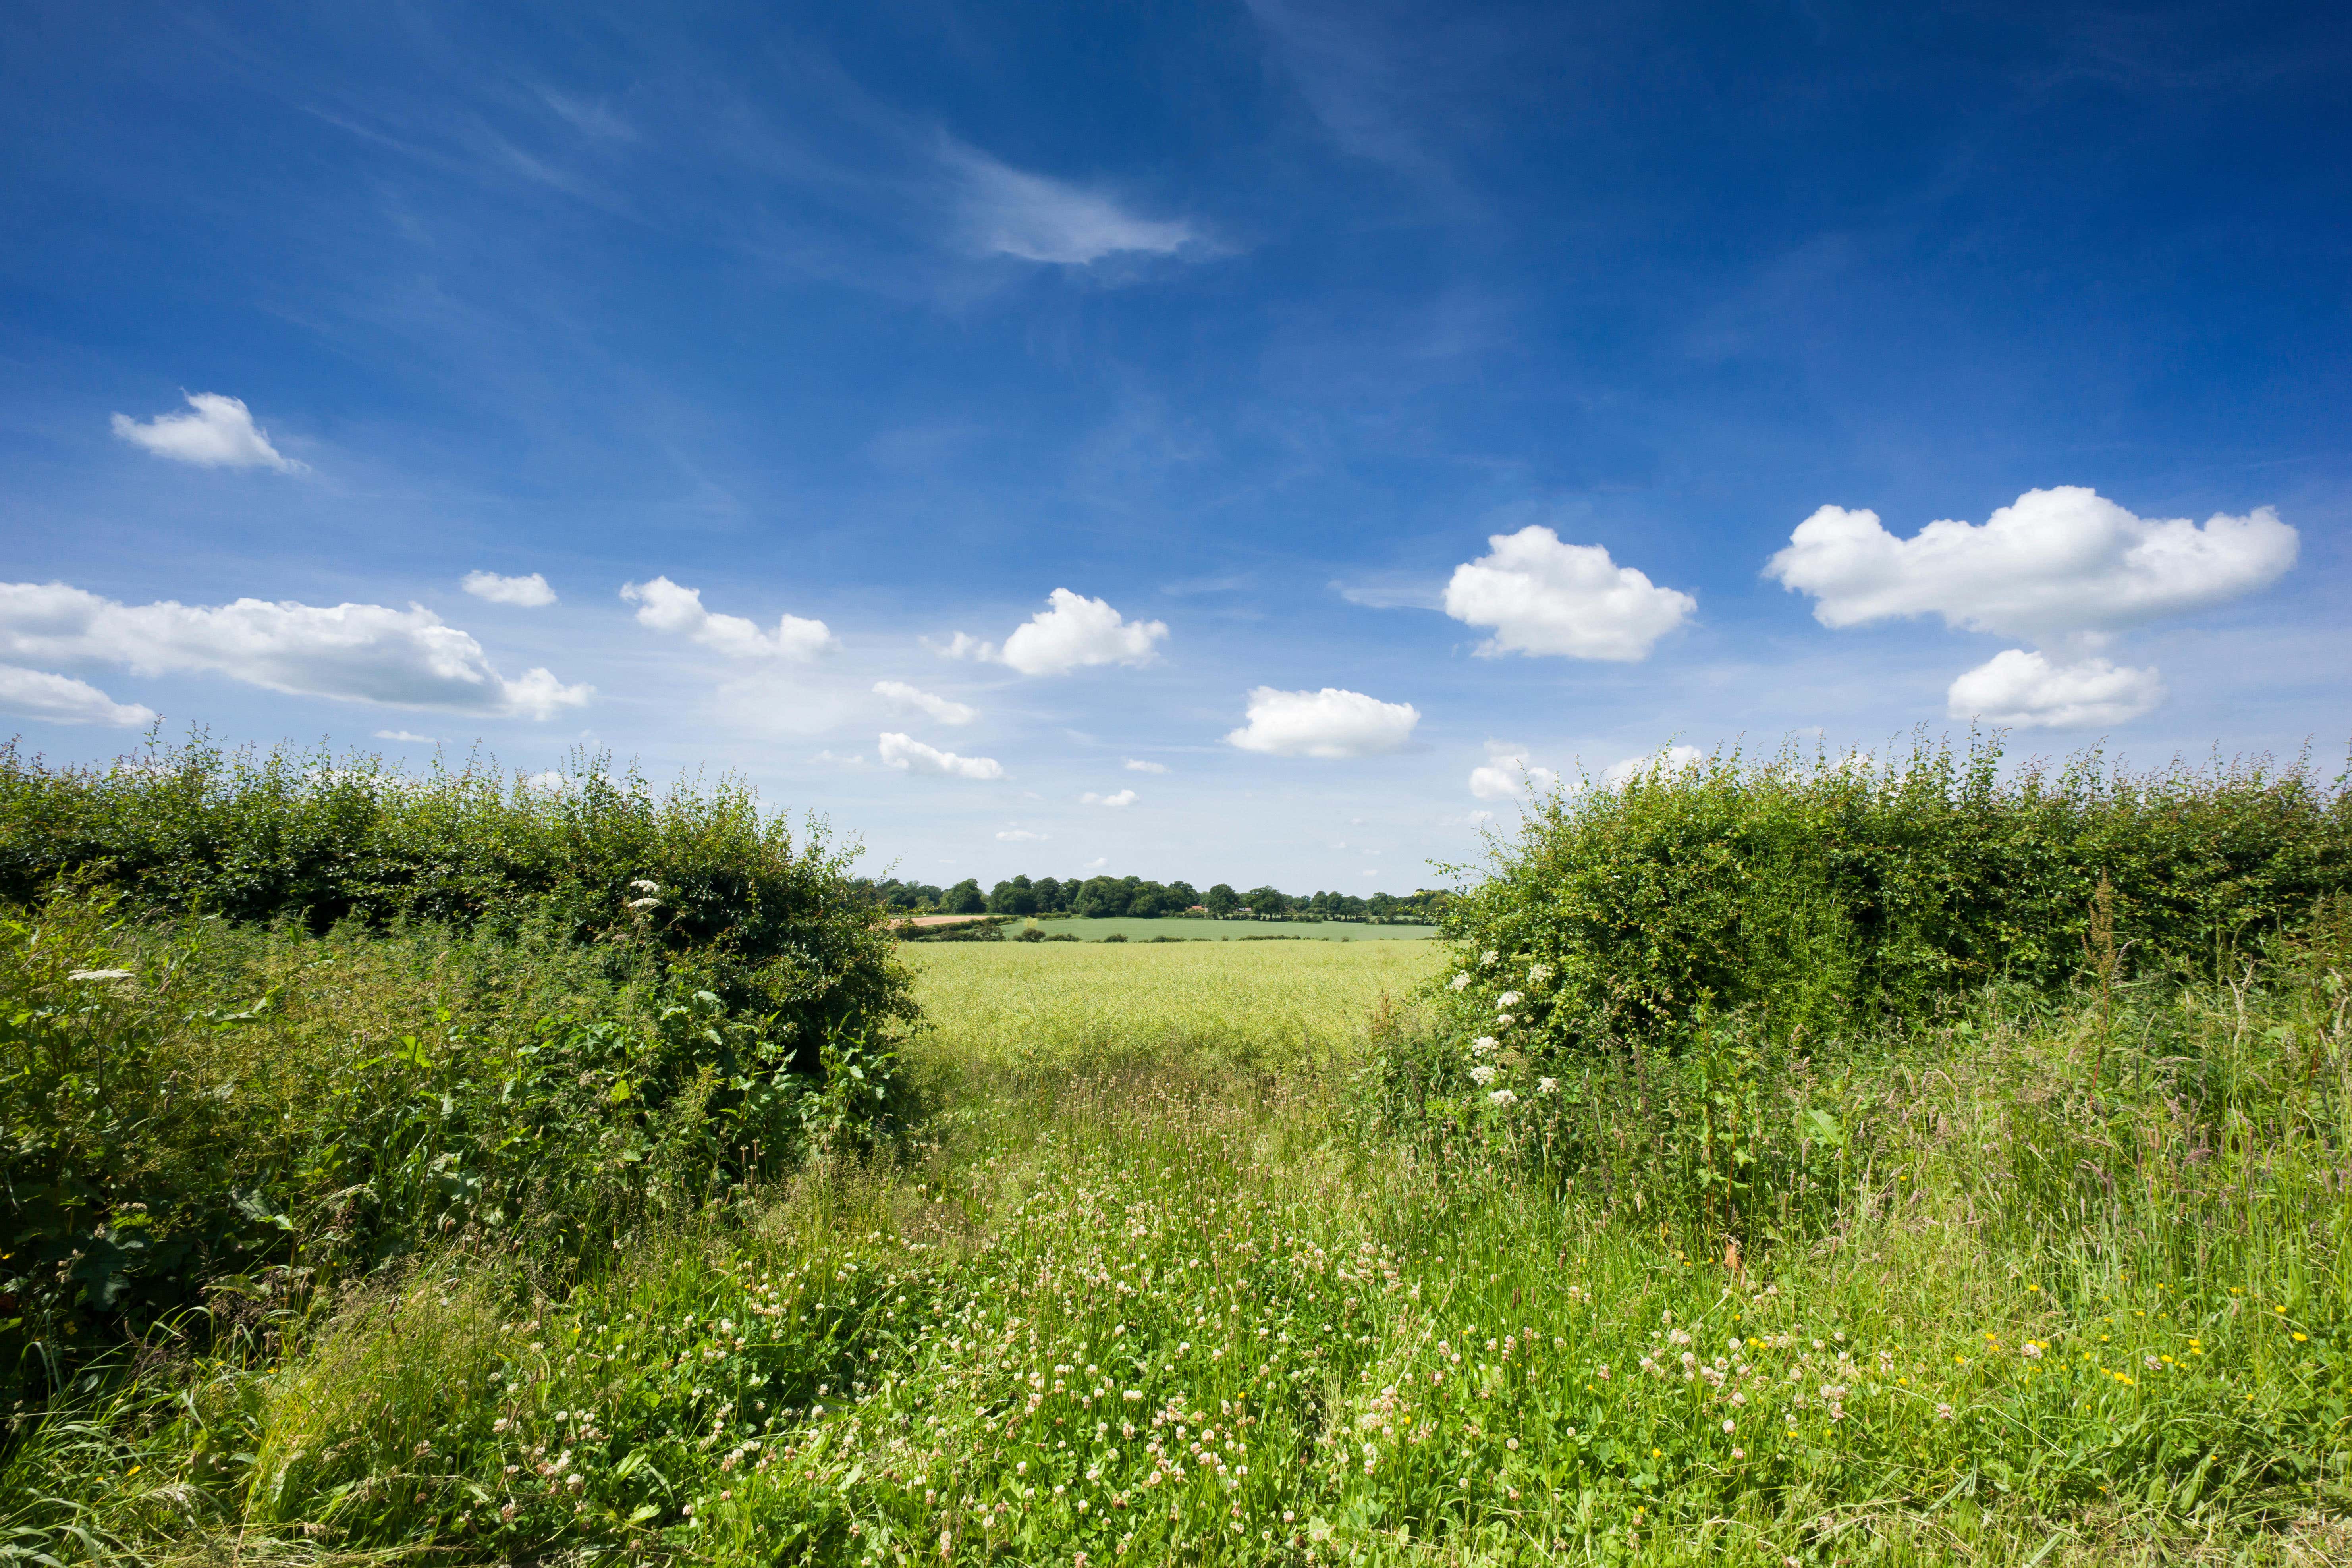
1482	1043
1483	1074
1491	959
642	885
1461	980
100	974
1504	1097
643	904
1502	1020
1547	1086
1538	973
1508	999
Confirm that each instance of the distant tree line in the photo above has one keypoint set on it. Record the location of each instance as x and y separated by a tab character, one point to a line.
1102	898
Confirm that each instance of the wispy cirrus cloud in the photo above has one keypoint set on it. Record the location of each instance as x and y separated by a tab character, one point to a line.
1005	211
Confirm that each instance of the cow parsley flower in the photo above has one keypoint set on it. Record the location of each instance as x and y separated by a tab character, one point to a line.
1490	960
1547	1086
1460	980
1482	1043
1504	1097
1508	999
1538	973
1483	1074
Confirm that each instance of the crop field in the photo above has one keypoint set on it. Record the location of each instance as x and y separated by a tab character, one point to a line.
1182	930
488	1246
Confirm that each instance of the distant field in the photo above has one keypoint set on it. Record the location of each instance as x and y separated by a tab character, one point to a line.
1231	930
1046	1004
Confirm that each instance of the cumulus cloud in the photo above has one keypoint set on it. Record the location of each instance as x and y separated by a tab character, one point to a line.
2027	691
1075	632
219	433
2054	563
1010	212
1022	835
62	700
906	698
1137	766
963	645
1124	797
531	591
359	653
665	606
1545	598
911	755
1671	760
1507	775
1326	723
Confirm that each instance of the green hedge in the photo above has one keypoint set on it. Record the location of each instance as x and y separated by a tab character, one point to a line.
740	908
1816	896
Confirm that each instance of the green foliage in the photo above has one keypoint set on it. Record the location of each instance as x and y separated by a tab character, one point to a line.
1814	898
189	1105
717	888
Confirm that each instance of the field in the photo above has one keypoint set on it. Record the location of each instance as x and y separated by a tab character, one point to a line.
1233	1253
1234	931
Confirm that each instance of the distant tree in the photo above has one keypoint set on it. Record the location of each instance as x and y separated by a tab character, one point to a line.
966	899
1268	900
1013	898
1101	898
1181	897
1052	897
1223	900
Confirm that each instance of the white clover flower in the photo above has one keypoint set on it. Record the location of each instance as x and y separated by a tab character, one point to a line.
1482	1043
1508	999
1504	1097
1461	979
1483	1074
1547	1086
1728	1427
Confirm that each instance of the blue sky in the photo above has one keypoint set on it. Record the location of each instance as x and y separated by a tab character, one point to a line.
1236	442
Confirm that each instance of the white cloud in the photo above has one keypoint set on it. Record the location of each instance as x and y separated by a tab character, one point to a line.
1077	631
2054	563
665	606
1008	212
549	783
1022	835
1506	774
1098	863
219	434
1326	723
852	761
1135	765
900	695
908	754
62	700
1124	797
408	736
2027	691
963	645
531	591
1671	760
1545	598
358	653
